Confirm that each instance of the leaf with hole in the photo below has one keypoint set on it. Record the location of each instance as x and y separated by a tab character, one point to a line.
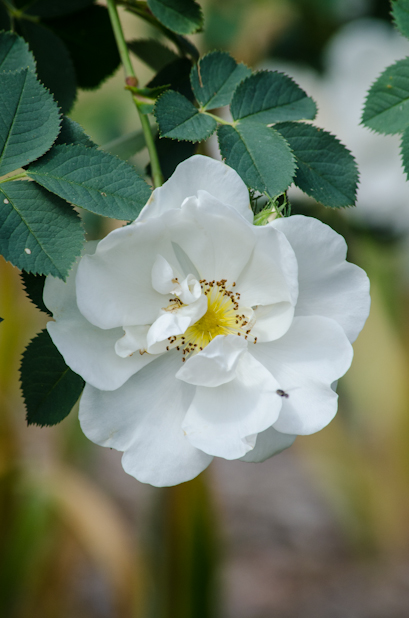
386	107
326	169
181	16
268	97
92	179
39	232
178	118
259	154
50	388
215	77
29	120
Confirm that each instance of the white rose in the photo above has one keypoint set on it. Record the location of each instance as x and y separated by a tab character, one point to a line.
201	335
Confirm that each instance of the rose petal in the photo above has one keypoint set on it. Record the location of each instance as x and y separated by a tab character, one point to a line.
216	364
312	354
329	285
143	418
272	321
87	349
224	421
269	442
196	173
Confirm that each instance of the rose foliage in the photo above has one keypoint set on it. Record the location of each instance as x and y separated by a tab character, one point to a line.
200	335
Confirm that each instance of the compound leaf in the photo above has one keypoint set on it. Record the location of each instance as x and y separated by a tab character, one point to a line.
39	232
50	388
29	120
178	118
72	133
326	169
92	179
259	154
269	96
215	77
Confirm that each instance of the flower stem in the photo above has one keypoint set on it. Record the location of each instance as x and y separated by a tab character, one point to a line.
129	73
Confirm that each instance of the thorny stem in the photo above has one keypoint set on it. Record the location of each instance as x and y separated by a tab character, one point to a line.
129	73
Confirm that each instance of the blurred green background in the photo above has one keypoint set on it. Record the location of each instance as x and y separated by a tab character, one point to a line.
322	530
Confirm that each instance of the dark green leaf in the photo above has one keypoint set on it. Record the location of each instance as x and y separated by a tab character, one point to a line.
14	53
55	8
153	53
404	150
34	287
215	77
178	118
181	16
387	103
92	179
39	232
50	388
126	146
176	76
326	169
269	96
400	14
29	120
72	133
54	65
89	38
259	154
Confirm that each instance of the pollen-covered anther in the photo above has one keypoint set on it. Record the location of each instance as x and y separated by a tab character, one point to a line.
224	316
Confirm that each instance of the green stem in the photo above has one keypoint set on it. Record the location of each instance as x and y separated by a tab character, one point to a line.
15	177
129	72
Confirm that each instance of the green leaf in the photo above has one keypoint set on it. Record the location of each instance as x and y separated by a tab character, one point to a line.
404	150
29	120
34	288
269	96
54	65
39	232
72	133
14	53
92	179
126	146
181	16
259	154
55	8
215	77
386	107
326	169
178	118
50	388
400	14
90	41
152	52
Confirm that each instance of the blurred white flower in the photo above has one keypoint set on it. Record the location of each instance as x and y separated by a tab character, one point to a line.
355	57
201	335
